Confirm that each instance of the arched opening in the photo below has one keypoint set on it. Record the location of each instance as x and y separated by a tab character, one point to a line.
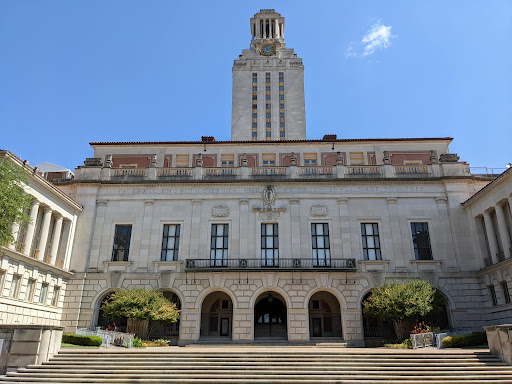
376	331
110	324
439	318
217	316
324	316
270	319
161	330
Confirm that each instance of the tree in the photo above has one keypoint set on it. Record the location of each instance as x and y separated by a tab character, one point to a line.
403	303
14	201
140	306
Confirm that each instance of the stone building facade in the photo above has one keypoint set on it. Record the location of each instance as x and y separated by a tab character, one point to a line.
34	272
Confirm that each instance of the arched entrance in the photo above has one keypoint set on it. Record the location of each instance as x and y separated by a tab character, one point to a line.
161	330
376	330
217	316
106	323
270	317
324	316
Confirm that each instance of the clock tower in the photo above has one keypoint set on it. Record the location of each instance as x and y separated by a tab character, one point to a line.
268	85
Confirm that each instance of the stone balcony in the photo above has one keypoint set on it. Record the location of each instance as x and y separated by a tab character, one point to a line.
273	264
386	171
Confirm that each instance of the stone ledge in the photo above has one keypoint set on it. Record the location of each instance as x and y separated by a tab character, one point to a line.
374	265
118	266
426	265
172	266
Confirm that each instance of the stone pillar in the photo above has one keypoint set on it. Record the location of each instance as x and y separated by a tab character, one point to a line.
196	227
145	240
345	228
510	204
43	237
502	228
96	238
244	228
277	28
29	237
243	324
69	229
56	239
15	232
258	29
295	228
491	237
353	332
446	233
394	218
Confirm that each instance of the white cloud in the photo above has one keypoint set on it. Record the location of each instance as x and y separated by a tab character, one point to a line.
378	37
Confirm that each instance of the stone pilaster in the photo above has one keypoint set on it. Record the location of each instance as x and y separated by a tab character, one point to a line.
394	219
29	236
502	228
447	241
98	234
57	230
491	237
43	237
345	228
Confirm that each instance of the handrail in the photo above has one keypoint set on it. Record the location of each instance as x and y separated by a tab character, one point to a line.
277	263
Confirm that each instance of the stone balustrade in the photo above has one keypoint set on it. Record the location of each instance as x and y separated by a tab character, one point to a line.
499	338
277	172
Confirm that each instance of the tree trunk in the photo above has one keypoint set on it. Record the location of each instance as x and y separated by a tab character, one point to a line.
403	328
139	327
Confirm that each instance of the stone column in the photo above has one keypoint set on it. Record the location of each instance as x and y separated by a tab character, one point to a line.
244	228
510	204
29	237
56	239
295	228
196	228
491	237
446	230
69	229
502	228
145	240
43	237
258	29
394	218
15	232
276	28
101	208
345	228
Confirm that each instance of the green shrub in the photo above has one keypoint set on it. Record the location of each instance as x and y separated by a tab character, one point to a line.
72	338
472	340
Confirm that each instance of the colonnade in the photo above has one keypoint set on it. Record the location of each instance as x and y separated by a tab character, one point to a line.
498	233
267	28
43	235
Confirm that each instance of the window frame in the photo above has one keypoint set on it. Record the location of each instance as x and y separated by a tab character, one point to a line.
14	289
176	245
274	250
319	261
115	251
412	232
43	298
56	296
214	260
506	291
492	292
378	250
31	289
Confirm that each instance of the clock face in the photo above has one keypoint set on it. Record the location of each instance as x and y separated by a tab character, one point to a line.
268	49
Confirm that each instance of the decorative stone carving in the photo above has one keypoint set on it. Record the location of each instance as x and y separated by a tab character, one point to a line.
433	157
293	159
199	160
269	196
269	213
339	159
153	161
318	210
449	158
245	163
108	161
386	159
93	162
220	211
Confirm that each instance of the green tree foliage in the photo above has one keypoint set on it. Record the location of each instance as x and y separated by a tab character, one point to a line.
403	303
140	304
14	201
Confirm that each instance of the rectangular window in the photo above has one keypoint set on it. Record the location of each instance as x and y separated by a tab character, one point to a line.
255	134
121	248
282	134
43	293
31	286
255	97
281	106
321	248
254	115
55	298
268	134
182	160
492	292
267	106
310	158
227	160
506	292
371	242
15	286
281	115
267	88
281	87
268	125
421	241
219	245
255	106
267	97
281	97
269	245
268	115
255	125
269	159
170	242
254	77
2	278
254	89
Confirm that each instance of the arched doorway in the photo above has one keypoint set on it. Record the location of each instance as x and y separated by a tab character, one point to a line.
217	316
106	323
161	330
324	316
376	331
270	319
440	317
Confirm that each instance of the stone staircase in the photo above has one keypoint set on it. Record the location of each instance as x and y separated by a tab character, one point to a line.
268	365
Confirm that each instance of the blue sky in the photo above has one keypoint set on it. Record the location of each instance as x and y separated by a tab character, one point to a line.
77	71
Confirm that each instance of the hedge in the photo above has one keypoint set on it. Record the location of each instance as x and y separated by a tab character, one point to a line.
72	338
471	340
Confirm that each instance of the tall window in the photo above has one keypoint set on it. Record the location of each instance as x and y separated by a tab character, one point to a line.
43	293
2	278
506	292
15	286
170	242
493	295
121	247
219	246
321	248
371	242
31	285
269	245
421	241
56	294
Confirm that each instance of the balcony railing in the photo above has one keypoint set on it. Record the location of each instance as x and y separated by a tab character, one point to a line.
266	264
269	173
